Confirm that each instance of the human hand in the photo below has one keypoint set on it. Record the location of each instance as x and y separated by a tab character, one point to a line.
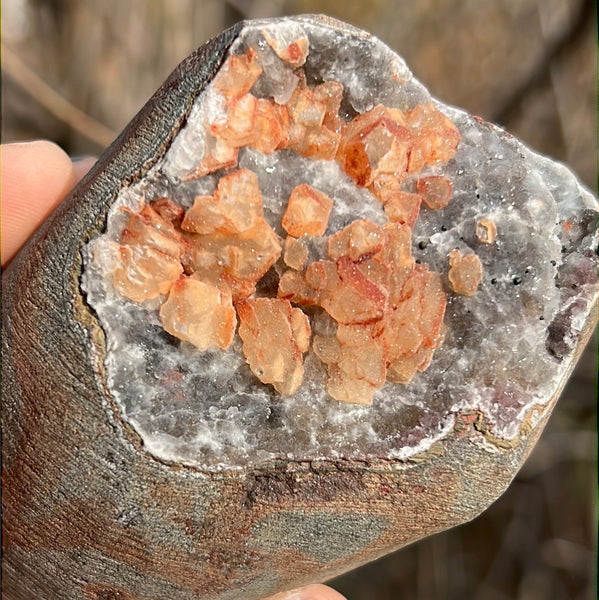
35	177
310	592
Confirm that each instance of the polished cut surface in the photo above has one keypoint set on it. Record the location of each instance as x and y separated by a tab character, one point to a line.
419	228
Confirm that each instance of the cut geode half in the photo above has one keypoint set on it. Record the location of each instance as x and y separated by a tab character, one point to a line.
138	464
510	335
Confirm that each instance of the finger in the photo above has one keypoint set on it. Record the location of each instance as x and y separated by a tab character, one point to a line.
310	592
83	165
35	176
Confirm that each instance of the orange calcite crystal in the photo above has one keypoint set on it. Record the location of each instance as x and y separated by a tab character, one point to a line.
435	191
415	321
356	299
149	259
319	143
235	207
144	273
205	216
394	347
403	370
239	289
435	137
384	185
295	253
330	93
239	73
243	257
288	47
315	124
271	127
168	210
238	129
376	271
486	231
250	121
374	143
304	109
275	335
397	255
199	313
432	303
387	310
355	241
229	240
217	155
293	287
465	273
308	211
149	230
356	364
322	276
403	207
362	354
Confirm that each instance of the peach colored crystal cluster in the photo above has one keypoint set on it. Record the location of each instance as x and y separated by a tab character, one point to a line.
204	264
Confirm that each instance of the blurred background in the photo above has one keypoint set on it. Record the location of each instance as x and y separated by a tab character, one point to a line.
76	71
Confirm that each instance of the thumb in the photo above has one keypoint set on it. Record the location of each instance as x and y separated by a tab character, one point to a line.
310	592
35	176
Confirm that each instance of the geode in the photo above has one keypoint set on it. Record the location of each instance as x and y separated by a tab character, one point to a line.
412	286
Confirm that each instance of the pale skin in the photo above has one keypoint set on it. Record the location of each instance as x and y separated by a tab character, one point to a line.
35	177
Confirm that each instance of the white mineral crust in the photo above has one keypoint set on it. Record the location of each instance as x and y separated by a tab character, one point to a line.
506	348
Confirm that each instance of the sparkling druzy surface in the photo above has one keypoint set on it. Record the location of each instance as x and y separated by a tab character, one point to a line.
506	346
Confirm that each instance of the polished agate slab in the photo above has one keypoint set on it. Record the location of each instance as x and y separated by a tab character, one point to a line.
511	320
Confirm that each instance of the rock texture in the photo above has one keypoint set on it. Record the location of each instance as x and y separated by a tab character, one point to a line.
138	466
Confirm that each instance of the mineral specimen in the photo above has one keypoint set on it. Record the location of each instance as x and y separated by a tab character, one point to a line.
402	207
274	337
435	191
320	197
231	410
199	313
465	273
387	309
307	213
486	231
295	253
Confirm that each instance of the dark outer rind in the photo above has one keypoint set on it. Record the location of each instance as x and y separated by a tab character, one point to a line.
87	514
